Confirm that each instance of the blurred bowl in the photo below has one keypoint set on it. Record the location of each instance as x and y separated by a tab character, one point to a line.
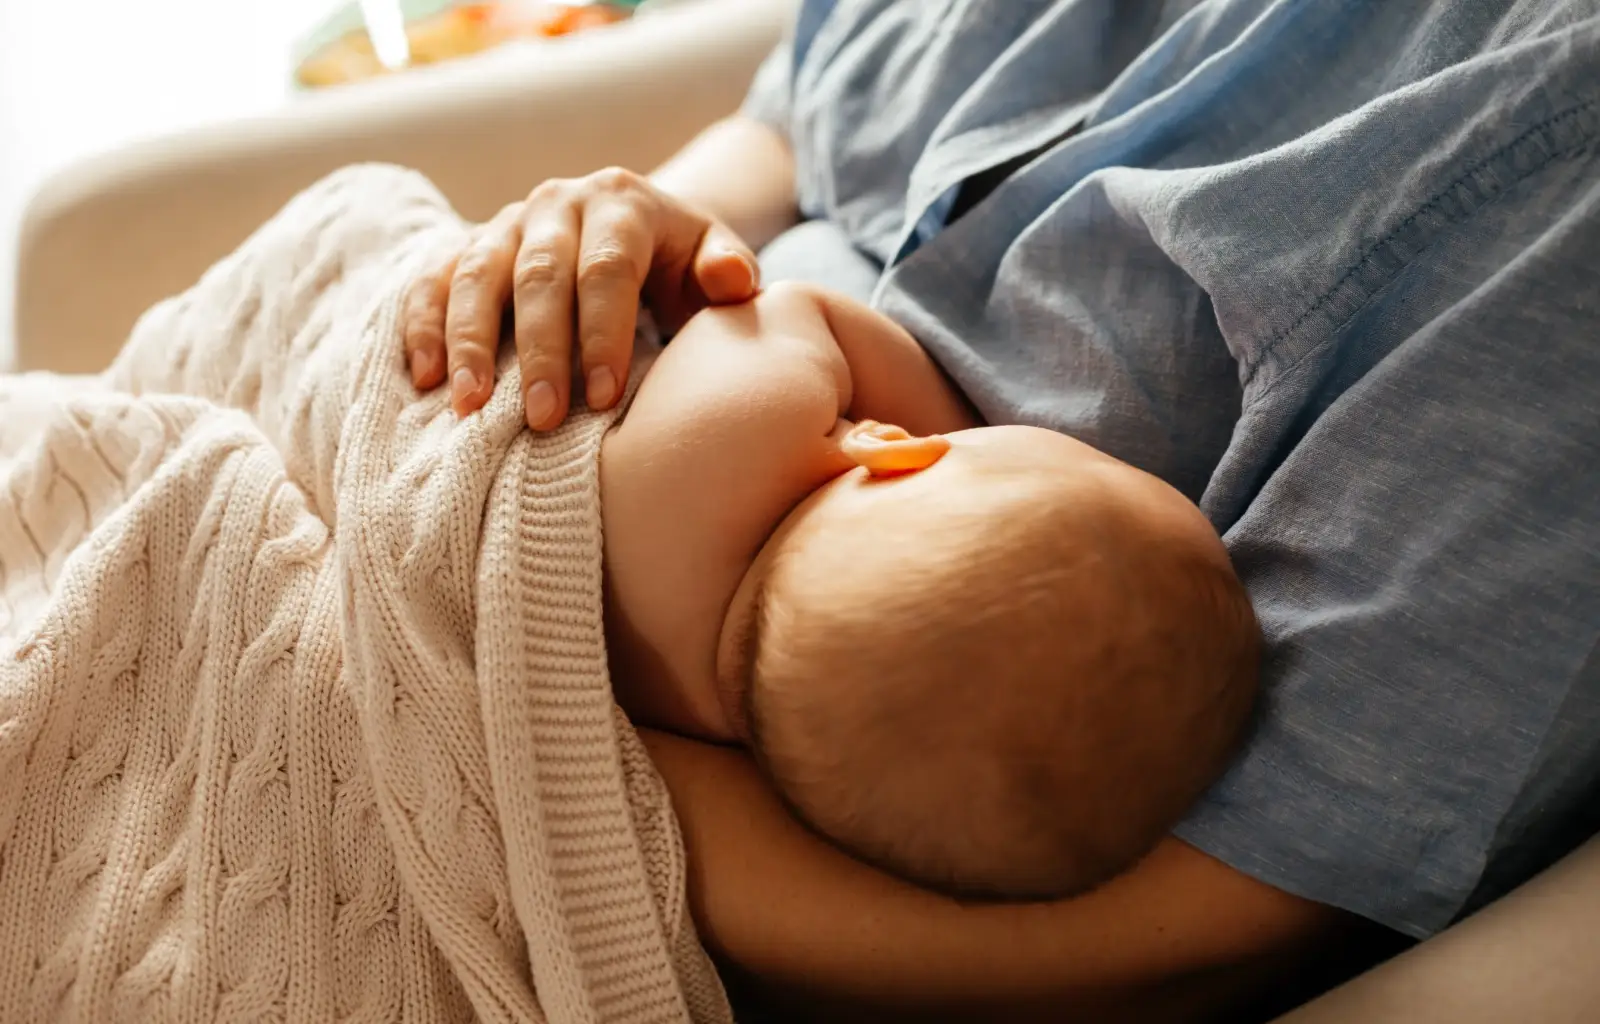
340	50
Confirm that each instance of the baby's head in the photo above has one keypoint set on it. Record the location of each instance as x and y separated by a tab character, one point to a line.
1000	670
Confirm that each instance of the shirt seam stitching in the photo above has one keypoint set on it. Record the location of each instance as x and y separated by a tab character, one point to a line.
1483	197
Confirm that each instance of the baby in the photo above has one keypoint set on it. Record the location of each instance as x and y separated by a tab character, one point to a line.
990	660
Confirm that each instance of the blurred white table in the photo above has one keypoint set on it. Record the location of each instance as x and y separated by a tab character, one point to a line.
81	76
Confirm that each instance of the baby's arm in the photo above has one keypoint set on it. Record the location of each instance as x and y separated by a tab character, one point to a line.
795	338
742	389
893	380
769	379
732	425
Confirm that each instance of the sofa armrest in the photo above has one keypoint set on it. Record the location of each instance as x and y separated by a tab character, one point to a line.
107	237
1529	957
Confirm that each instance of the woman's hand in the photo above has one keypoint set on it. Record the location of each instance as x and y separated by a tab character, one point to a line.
572	262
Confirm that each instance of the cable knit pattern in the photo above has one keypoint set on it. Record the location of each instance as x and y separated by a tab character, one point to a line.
304	712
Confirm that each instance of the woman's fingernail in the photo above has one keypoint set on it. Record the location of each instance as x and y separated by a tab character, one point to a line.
602	387
463	385
541	403
424	369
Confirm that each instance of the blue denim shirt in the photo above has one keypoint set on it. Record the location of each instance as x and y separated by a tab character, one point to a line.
1330	267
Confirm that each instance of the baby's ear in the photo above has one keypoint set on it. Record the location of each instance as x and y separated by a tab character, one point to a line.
885	450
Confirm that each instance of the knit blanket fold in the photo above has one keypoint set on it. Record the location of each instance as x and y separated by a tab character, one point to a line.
304	707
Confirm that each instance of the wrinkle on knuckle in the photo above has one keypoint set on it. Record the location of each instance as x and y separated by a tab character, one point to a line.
603	265
600	346
475	268
549	190
538	366
614	179
423	334
467	349
420	312
536	270
541	361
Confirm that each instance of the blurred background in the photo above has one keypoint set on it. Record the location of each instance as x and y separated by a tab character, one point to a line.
81	76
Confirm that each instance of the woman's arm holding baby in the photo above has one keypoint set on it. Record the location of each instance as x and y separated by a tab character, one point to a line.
1180	937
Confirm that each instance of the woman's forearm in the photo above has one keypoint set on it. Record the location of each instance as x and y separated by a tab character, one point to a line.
741	172
1174	939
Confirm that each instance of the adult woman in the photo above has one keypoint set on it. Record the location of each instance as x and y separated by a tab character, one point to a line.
1324	267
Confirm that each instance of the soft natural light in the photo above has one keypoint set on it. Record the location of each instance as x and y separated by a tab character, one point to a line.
80	77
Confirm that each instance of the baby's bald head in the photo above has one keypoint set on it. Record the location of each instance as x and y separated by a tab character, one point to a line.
1006	675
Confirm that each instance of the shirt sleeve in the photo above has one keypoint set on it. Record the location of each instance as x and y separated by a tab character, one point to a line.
771	93
1424	558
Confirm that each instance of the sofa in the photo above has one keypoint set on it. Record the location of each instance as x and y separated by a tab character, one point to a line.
105	238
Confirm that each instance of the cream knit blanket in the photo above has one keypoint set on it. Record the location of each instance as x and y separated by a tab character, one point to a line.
304	712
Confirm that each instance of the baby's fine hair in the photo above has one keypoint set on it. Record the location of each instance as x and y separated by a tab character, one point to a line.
1022	713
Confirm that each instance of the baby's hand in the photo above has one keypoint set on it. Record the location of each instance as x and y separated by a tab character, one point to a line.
885	450
572	261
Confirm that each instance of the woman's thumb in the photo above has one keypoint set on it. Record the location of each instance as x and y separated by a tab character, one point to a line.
725	268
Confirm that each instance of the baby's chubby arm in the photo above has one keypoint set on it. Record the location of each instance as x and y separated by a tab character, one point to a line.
767	383
893	379
742	401
790	353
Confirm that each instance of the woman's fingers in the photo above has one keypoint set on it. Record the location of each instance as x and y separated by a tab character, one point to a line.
477	299
613	259
571	261
426	302
696	263
542	298
725	268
